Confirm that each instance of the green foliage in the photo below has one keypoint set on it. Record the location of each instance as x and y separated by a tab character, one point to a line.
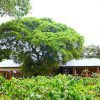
60	87
95	75
39	42
14	8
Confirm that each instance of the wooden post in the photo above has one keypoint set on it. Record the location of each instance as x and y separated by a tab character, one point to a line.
6	75
0	73
98	71
74	71
16	74
10	73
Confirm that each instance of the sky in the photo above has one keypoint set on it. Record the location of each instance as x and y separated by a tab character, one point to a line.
82	15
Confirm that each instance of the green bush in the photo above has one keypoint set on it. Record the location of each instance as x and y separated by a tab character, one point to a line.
59	87
95	75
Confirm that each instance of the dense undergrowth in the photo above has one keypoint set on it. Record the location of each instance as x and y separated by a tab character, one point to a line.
60	87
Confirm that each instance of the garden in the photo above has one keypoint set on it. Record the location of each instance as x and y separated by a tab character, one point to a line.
59	87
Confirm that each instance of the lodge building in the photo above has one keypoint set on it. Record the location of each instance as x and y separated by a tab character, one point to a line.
74	67
10	69
77	67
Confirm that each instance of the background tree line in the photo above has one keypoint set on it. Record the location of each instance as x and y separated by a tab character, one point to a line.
91	51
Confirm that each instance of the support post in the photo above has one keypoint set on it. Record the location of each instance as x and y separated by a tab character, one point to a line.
6	75
74	71
10	75
98	71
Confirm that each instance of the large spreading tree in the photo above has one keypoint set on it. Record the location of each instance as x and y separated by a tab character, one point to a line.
39	42
15	8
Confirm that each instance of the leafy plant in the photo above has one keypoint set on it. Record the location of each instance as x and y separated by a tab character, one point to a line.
60	87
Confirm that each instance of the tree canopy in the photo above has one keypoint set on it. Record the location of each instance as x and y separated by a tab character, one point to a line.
39	42
91	51
14	8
